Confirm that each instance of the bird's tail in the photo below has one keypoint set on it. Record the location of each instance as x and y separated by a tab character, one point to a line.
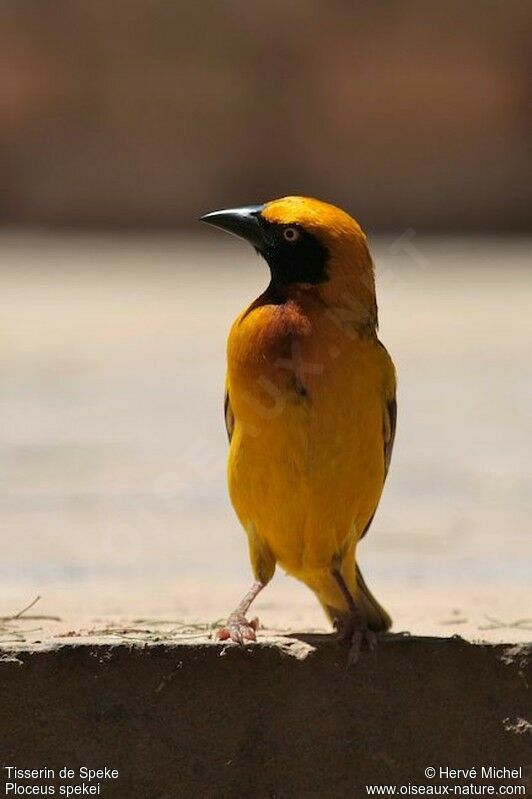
377	618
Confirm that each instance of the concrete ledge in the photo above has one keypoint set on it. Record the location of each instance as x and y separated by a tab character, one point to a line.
282	718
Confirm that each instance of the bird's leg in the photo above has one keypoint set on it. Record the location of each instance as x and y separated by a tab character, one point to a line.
238	628
354	628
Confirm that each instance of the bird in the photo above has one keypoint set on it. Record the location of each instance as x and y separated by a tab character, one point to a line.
310	411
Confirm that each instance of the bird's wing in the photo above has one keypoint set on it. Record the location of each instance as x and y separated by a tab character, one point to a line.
229	415
389	424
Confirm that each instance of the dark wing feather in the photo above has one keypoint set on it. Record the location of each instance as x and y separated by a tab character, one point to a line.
389	425
229	416
391	409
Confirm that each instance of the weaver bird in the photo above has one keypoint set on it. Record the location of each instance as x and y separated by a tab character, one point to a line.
310	410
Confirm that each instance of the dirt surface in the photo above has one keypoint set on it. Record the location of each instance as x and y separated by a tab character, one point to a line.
171	613
284	718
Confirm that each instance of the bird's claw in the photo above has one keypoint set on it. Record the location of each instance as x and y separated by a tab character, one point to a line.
359	638
357	634
238	629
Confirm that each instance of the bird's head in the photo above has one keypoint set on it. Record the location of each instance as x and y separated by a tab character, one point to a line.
310	246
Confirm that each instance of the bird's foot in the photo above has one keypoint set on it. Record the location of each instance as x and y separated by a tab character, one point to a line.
355	632
238	629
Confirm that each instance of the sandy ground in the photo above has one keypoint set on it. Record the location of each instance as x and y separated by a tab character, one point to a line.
113	505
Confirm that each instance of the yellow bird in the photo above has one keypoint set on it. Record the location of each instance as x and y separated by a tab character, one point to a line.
310	410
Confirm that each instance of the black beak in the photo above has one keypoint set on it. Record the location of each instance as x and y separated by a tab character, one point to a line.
241	222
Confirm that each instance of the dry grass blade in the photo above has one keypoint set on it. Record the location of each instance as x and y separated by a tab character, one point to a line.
22	614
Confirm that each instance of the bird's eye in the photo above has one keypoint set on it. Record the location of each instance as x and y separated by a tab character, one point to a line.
291	234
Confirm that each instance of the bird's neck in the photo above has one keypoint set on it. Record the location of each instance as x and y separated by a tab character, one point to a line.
350	304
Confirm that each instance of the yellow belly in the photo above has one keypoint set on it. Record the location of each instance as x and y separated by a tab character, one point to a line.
306	462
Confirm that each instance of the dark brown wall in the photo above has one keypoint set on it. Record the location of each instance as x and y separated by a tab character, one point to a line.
181	721
412	114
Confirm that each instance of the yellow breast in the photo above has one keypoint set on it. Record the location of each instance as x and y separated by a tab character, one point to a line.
306	463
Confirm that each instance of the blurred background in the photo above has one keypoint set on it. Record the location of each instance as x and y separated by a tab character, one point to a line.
141	113
120	123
